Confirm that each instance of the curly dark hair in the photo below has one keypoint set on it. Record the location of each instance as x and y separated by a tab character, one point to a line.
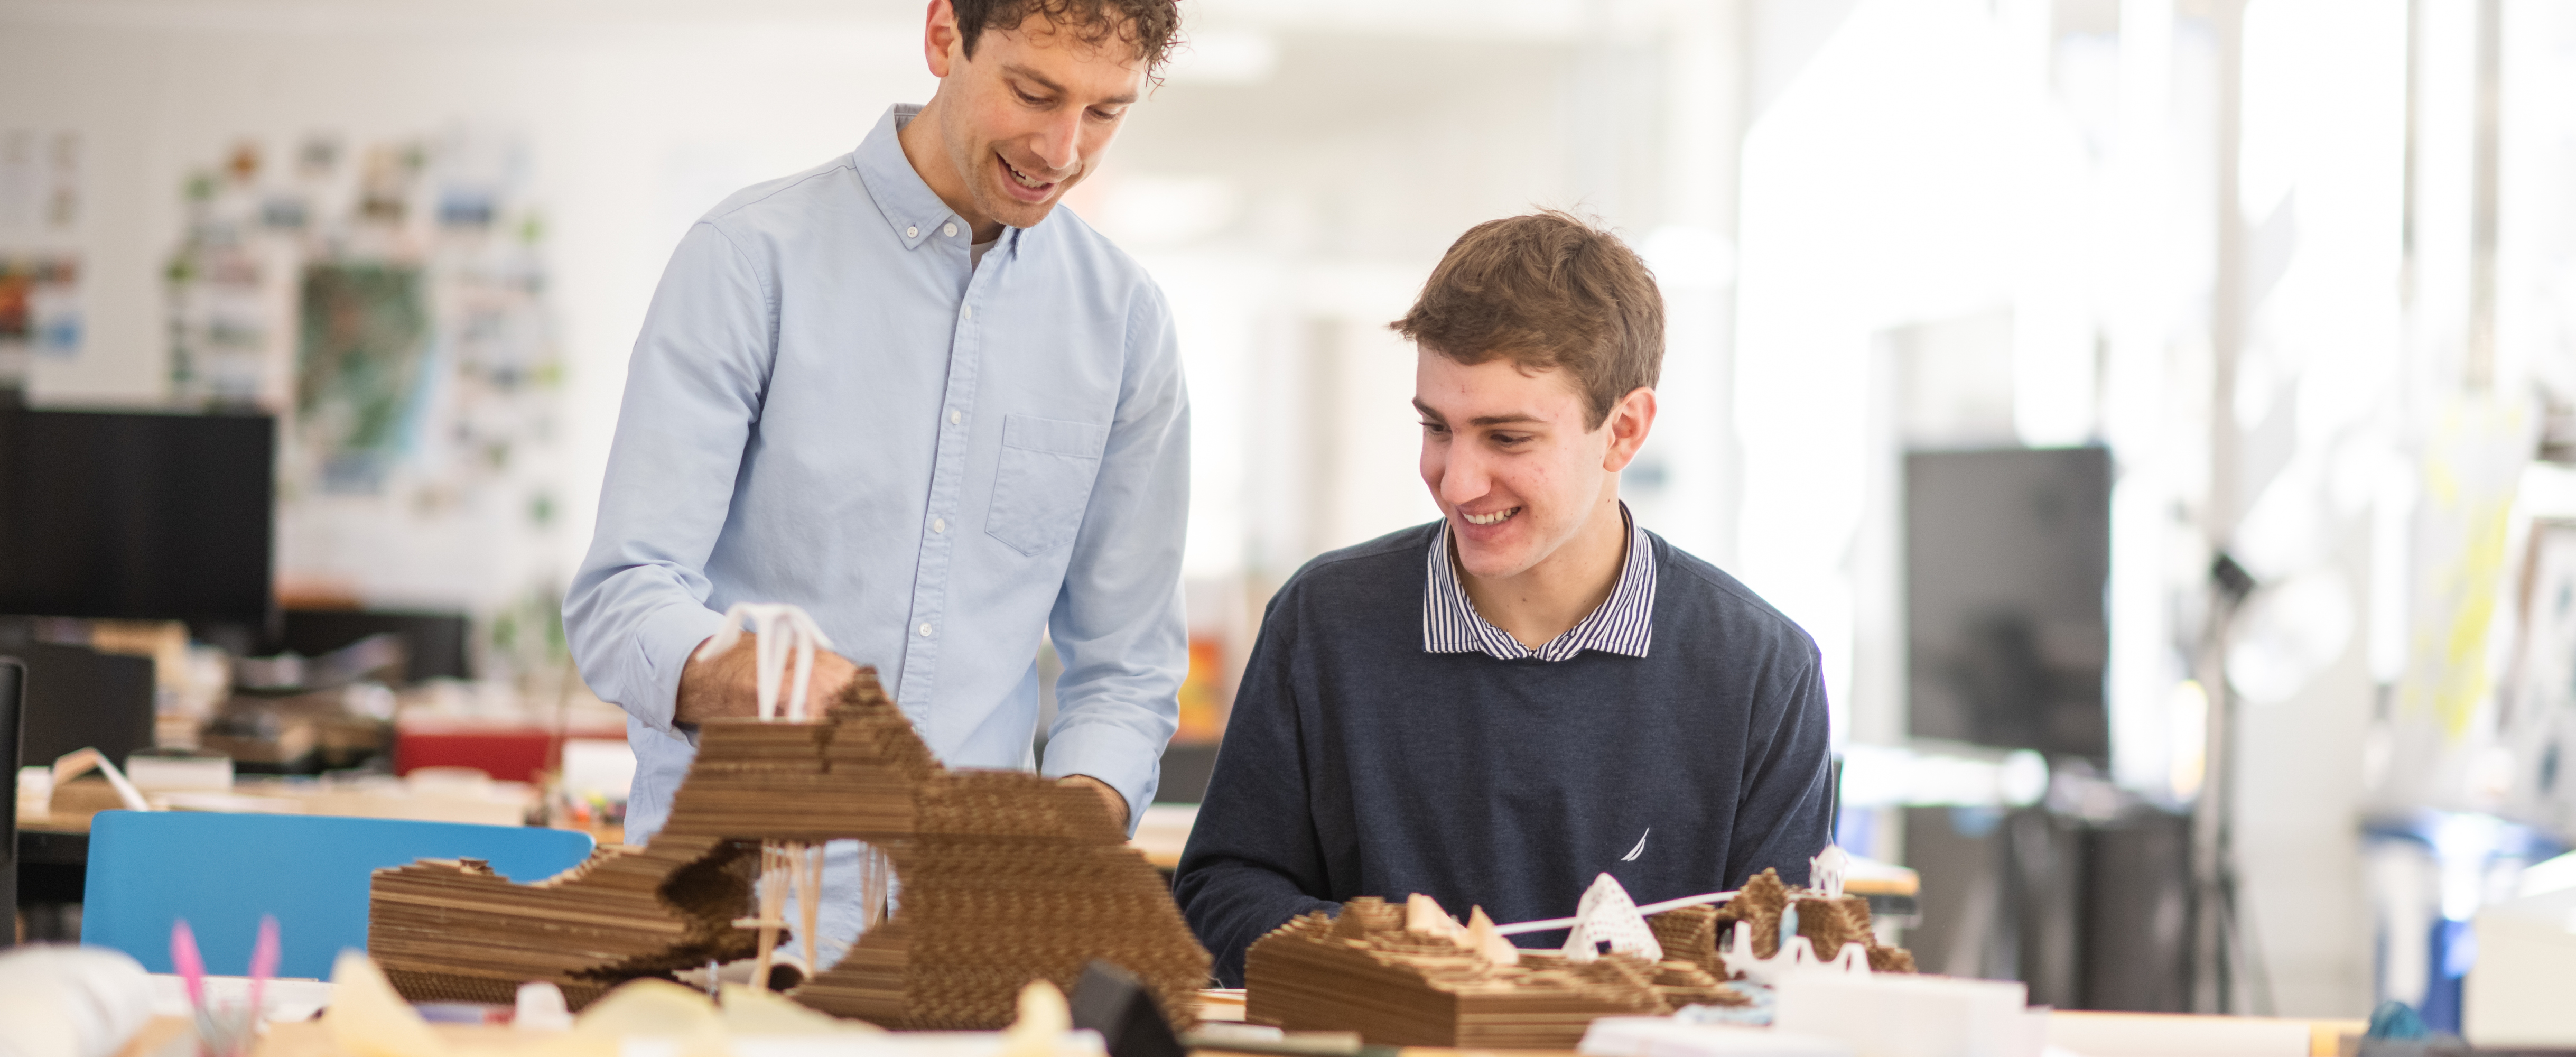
1151	27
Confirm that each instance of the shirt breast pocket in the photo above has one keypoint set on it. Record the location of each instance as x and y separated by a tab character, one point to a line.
1044	482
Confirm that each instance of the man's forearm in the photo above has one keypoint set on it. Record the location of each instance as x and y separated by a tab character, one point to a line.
728	685
631	629
1118	809
1104	745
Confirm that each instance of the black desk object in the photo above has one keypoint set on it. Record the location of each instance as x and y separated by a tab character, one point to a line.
434	644
78	698
2007	555
137	516
13	679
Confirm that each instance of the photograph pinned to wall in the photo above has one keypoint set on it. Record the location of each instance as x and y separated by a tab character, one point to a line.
39	182
365	334
39	307
40	271
229	288
2442	720
389	297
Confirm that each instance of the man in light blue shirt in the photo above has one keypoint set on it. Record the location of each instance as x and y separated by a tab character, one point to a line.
903	391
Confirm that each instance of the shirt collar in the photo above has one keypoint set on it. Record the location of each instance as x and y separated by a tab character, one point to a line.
910	207
1624	623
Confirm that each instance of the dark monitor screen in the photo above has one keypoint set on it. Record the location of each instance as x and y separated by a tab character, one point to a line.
79	698
137	516
2007	556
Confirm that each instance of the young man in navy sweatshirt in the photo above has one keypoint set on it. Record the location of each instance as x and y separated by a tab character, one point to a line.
1496	707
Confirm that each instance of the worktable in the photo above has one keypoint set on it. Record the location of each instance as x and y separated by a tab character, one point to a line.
2126	1035
64	840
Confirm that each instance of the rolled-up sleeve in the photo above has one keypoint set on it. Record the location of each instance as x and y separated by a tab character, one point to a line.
694	390
1117	622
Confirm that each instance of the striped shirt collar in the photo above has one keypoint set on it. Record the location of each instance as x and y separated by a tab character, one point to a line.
1623	625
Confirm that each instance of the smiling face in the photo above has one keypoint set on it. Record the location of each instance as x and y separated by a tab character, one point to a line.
1021	121
1508	458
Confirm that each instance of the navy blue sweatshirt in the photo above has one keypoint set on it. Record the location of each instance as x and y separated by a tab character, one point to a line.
1357	764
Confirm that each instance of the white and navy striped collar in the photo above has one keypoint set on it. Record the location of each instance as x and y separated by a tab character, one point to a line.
1623	625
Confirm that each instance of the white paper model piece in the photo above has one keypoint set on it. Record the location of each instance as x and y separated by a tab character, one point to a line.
78	762
1825	871
1607	915
786	630
540	1007
782	629
1905	1015
1666	1037
1796	954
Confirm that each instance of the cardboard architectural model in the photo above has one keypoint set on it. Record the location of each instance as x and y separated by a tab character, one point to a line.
1006	878
1365	971
1403	977
1827	921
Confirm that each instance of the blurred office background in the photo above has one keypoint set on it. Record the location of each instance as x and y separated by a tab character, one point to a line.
2160	412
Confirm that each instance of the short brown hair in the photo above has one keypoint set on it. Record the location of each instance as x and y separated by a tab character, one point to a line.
1548	291
1151	27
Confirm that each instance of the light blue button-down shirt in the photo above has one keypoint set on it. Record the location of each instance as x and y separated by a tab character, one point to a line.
830	405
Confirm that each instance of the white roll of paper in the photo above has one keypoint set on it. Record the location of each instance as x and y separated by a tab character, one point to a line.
58	1001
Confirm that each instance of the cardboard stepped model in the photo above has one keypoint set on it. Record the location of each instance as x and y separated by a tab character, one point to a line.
1007	878
1401	977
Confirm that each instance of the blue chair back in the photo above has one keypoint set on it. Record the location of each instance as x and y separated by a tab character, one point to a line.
221	872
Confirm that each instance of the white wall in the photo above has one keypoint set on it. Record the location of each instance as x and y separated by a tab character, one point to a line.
635	121
1293	182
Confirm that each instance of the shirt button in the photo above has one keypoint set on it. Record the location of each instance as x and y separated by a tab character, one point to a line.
949	230
939	524
966	311
925	629
955	417
912	232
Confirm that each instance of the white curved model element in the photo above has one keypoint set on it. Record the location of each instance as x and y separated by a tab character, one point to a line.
1518	927
782	629
1796	954
1607	915
1825	871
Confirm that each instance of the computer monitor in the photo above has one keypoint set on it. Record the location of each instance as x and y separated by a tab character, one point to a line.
78	698
137	516
2007	555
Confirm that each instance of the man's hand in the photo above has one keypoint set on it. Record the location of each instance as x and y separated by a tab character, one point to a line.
1117	804
728	687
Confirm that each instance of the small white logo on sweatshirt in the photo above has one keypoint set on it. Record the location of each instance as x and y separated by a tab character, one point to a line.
1640	849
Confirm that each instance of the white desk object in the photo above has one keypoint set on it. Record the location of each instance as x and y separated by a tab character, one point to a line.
287	1000
1666	1037
1906	1015
2516	995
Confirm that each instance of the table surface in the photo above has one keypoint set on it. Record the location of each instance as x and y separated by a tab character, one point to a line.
65	838
2183	1033
311	1039
43	822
